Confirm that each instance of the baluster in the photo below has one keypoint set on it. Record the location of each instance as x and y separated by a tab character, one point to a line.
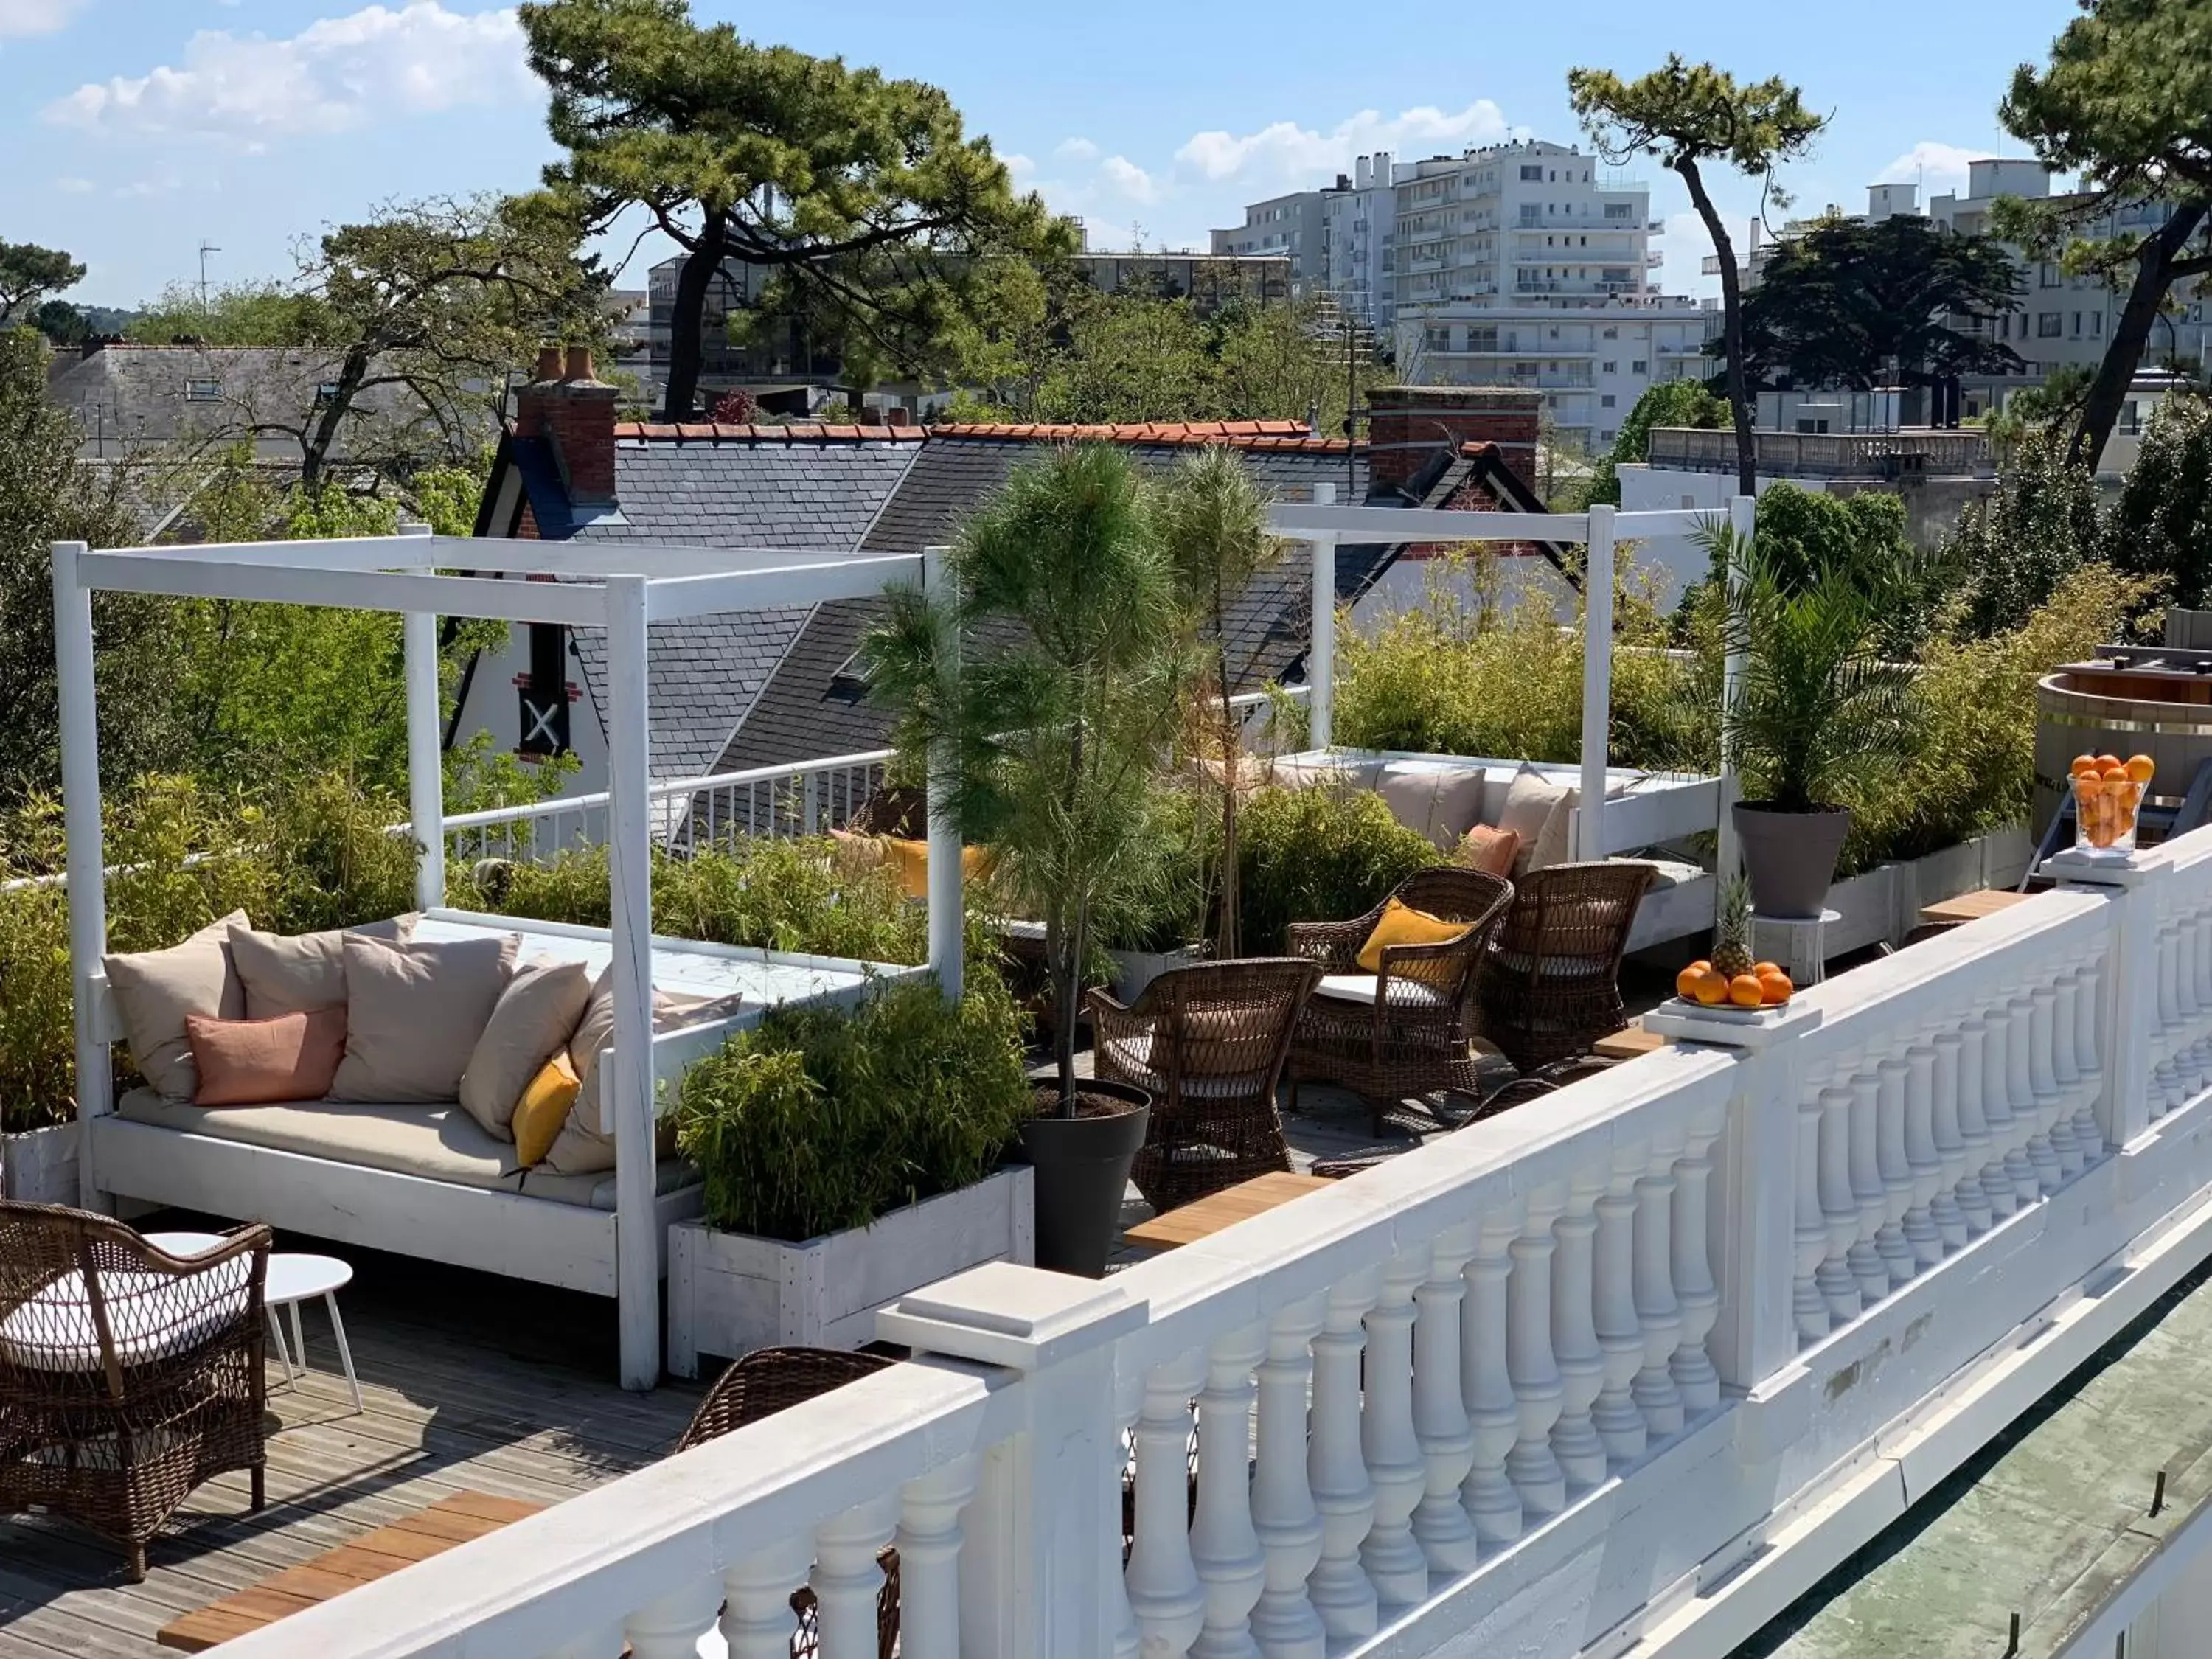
1889	1239
1162	1578
756	1616
1394	1564
1493	1411
671	1627
1695	1294
2050	1100
1941	1085
1839	1207
2065	1069
2001	1178
2020	1090
2188	1009
2087	1009
1807	1307
2202	1049
1867	1265
1653	1388
1575	1440
1223	1546
2164	1087
1440	1419
847	1579
1283	1513
1128	1407
1335	1470
1619	1425
1924	1163
1959	1056
929	1560
1535	1471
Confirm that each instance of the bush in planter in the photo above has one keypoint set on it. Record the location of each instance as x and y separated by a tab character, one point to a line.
1320	854
816	1122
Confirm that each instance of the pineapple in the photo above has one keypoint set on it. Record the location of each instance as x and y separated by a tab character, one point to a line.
1732	931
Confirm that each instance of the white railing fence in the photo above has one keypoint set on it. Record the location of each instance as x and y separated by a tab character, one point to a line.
1545	1382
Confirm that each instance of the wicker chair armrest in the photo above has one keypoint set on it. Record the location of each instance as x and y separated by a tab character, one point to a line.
1111	1022
254	1238
1334	944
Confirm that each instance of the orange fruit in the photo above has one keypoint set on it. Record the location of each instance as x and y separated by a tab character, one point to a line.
2106	763
2088	786
2082	763
1685	983
1775	989
2140	768
1762	968
1745	992
1711	989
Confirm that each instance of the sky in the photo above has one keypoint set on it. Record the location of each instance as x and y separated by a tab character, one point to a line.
145	128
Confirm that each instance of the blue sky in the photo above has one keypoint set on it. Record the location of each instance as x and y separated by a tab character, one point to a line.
150	126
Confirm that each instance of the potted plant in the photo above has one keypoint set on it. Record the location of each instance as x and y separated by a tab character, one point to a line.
1816	702
847	1159
1049	688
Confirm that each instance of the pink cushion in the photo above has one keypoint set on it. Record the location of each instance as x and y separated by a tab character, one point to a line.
249	1062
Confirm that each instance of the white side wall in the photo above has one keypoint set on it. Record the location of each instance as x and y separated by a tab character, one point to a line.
1676	560
491	706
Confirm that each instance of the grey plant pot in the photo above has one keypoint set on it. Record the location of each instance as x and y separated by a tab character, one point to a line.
1790	857
1082	1166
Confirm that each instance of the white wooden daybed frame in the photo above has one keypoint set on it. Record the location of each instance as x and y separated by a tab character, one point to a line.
620	1253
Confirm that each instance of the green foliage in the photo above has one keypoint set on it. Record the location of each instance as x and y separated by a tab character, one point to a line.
1668	402
1818	703
817	1122
265	314
2161	525
2011	550
1320	854
28	273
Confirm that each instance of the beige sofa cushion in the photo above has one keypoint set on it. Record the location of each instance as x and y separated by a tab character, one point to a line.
299	973
438	1143
670	1175
533	1020
1538	810
1442	802
582	1148
414	1011
155	991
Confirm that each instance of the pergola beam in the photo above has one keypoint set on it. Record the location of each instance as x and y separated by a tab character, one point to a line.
787	585
572	603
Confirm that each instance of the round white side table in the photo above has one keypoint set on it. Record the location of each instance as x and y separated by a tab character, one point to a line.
292	1280
1804	957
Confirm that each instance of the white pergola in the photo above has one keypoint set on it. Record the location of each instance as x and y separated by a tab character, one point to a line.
621	588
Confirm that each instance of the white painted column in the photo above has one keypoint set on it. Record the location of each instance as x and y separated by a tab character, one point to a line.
1867	1264
1440	1419
1921	1158
1224	1545
947	905
1940	1060
627	1091
1163	1575
1575	1350
1597	679
1393	1558
1493	1411
1656	1395
1619	1425
2051	1104
1321	652
1696	1299
85	857
2029	1145
2165	1085
1335	1470
756	1617
928	1541
2127	1003
1896	1173
1535	1472
671	1627
1837	1273
1997	1176
1743	517
426	747
1808	1306
847	1578
2088	1005
1283	1513
1959	1074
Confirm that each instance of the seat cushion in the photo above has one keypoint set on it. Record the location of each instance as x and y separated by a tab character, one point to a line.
438	1143
535	1016
597	1191
155	990
150	1315
414	1011
1401	924
1360	988
1133	1058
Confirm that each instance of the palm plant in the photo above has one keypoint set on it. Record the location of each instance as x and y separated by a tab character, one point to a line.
1051	682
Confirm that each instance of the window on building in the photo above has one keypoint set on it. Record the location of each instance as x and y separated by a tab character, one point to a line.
2077	325
1531	175
1605	400
1612	334
2048	325
1437	339
1530	214
1610	367
1482	339
2050	277
1620	210
1641	366
202	392
2096	324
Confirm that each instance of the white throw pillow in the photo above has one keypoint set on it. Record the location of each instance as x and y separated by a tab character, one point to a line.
414	1009
582	1147
535	1018
1537	809
299	973
156	991
1442	802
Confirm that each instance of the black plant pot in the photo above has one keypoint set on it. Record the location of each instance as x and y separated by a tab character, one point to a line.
1082	1167
1790	857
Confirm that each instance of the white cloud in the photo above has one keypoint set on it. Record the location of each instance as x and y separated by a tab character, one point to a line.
1131	180
36	16
1075	149
1285	152
1941	166
73	186
337	75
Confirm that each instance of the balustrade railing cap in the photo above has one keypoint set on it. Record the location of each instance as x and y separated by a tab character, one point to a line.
1002	1314
2096	867
1732	1028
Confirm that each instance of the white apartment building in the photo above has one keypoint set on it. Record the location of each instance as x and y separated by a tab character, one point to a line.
1339	239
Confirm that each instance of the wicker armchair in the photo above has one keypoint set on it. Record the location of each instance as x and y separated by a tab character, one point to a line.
1519	1092
762	1384
128	1376
1208	1041
1405	1032
1551	985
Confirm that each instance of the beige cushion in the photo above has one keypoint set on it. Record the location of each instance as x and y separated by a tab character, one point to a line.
536	1015
414	1011
438	1143
298	973
1442	802
1537	810
597	1191
155	990
1306	774
582	1147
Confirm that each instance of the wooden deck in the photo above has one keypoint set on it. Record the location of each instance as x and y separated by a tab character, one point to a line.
470	1383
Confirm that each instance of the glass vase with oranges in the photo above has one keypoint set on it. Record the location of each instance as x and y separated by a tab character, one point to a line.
2108	793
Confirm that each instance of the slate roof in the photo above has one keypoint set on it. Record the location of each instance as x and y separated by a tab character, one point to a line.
129	394
702	488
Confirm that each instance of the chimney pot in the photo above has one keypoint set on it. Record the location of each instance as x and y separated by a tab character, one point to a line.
580	363
549	363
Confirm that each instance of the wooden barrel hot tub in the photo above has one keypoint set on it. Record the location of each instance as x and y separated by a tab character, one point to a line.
2154	701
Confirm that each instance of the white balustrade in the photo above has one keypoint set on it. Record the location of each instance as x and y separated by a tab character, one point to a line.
2031	1148
928	1542
1837	1274
1697	1298
1809	1308
1889	1240
1618	1421
1656	1311
1935	1079
1534	1469
1441	1424
848	1579
2051	1104
1493	1415
1335	1469
1575	1351
1959	1054
757	1619
2010	1161
1395	1465
1224	1546
1865	1256
1163	1577
1284	1517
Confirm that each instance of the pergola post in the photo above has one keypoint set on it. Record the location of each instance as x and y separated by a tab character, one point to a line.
1743	514
627	1091
426	760
86	853
947	906
1320	655
1597	678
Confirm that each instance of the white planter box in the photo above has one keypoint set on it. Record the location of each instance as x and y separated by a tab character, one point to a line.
1135	969
730	1293
38	1166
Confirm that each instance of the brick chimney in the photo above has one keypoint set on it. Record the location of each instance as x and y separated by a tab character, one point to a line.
1411	427
573	411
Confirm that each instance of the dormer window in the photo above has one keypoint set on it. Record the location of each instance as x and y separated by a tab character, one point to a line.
202	392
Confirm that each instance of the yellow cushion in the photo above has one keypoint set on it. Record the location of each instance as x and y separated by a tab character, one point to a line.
544	1109
911	860
1401	924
